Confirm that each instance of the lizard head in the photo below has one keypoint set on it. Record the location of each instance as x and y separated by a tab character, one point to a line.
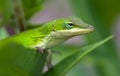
67	28
61	30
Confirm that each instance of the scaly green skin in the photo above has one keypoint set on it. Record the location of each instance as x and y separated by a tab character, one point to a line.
52	33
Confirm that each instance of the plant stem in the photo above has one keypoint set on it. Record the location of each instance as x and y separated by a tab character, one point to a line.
19	15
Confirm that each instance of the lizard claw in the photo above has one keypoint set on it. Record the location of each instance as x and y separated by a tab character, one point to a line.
40	50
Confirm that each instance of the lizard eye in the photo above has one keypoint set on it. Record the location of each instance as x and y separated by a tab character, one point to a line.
69	25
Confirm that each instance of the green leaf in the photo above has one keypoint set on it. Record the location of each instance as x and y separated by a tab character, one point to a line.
69	62
15	60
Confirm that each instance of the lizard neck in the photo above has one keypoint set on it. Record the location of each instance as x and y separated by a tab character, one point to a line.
51	41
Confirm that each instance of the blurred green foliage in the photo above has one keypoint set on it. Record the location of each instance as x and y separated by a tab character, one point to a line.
31	7
101	14
6	10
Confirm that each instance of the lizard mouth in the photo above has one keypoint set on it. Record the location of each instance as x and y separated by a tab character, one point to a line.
73	32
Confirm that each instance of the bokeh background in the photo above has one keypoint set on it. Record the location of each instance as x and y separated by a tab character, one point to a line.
104	15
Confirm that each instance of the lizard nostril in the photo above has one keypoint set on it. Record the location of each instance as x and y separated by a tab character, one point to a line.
91	27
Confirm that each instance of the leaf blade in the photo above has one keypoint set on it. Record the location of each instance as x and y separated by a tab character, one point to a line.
65	65
16	60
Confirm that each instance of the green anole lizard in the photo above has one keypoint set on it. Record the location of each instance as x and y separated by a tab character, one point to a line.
52	33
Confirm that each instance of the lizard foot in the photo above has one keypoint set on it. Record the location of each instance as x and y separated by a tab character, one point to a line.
40	50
